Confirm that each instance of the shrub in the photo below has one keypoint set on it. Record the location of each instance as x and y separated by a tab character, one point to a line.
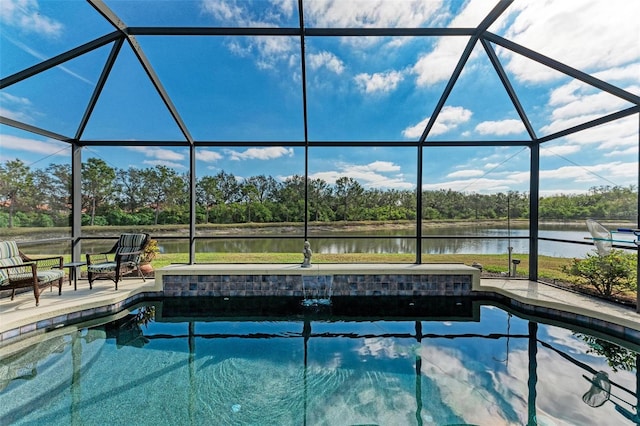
120	218
4	220
41	220
609	275
150	251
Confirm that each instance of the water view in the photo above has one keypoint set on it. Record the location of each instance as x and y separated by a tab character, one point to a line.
466	363
479	239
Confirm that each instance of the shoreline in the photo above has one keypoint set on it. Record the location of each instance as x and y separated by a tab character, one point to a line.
27	234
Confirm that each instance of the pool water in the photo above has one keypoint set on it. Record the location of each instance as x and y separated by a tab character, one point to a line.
483	366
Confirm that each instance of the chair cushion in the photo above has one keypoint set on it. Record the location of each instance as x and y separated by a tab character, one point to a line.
8	249
107	266
49	275
9	261
129	243
9	255
43	276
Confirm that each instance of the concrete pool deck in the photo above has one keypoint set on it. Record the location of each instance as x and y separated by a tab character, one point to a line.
21	316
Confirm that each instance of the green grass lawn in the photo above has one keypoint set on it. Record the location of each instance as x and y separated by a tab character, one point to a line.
548	267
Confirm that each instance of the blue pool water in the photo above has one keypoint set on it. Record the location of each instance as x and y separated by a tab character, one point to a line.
174	364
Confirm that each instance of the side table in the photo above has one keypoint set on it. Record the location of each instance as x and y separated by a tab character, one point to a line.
74	270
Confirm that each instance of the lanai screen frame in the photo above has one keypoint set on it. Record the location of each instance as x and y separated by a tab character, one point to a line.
478	34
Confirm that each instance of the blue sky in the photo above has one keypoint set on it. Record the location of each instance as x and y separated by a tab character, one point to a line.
358	89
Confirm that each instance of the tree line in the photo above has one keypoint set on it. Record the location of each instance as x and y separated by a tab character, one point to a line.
160	195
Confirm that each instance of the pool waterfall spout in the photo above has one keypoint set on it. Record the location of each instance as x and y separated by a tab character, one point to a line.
317	290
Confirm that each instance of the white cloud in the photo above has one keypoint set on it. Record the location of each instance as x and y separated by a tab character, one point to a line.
594	43
26	16
379	82
159	154
579	104
383	166
437	65
275	45
273	50
329	176
623	76
503	127
286	7
260	153
576	103
416	130
372	13
589	35
208	156
238	13
480	185
222	10
472	13
327	60
48	147
16	107
601	40
619	134
375	14
603	35
448	119
559	150
465	173
616	171
267	51
170	164
17	100
486	173
623	152
377	174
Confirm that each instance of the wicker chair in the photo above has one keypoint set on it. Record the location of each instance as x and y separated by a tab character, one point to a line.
126	259
18	270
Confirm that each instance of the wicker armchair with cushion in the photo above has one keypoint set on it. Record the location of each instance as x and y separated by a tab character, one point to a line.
126	259
18	270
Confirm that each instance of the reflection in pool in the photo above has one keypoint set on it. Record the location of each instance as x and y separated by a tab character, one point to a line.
481	365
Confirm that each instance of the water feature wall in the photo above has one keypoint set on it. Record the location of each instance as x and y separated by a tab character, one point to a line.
310	287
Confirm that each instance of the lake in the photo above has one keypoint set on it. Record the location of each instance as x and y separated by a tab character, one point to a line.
447	239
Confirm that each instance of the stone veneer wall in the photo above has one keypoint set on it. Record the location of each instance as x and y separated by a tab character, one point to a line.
317	285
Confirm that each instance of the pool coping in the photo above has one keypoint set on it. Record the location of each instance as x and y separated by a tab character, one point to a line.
572	305
25	320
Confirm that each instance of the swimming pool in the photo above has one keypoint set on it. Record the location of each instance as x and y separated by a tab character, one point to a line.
271	362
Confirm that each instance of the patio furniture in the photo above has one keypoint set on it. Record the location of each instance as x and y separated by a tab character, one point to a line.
18	270
74	271
126	259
